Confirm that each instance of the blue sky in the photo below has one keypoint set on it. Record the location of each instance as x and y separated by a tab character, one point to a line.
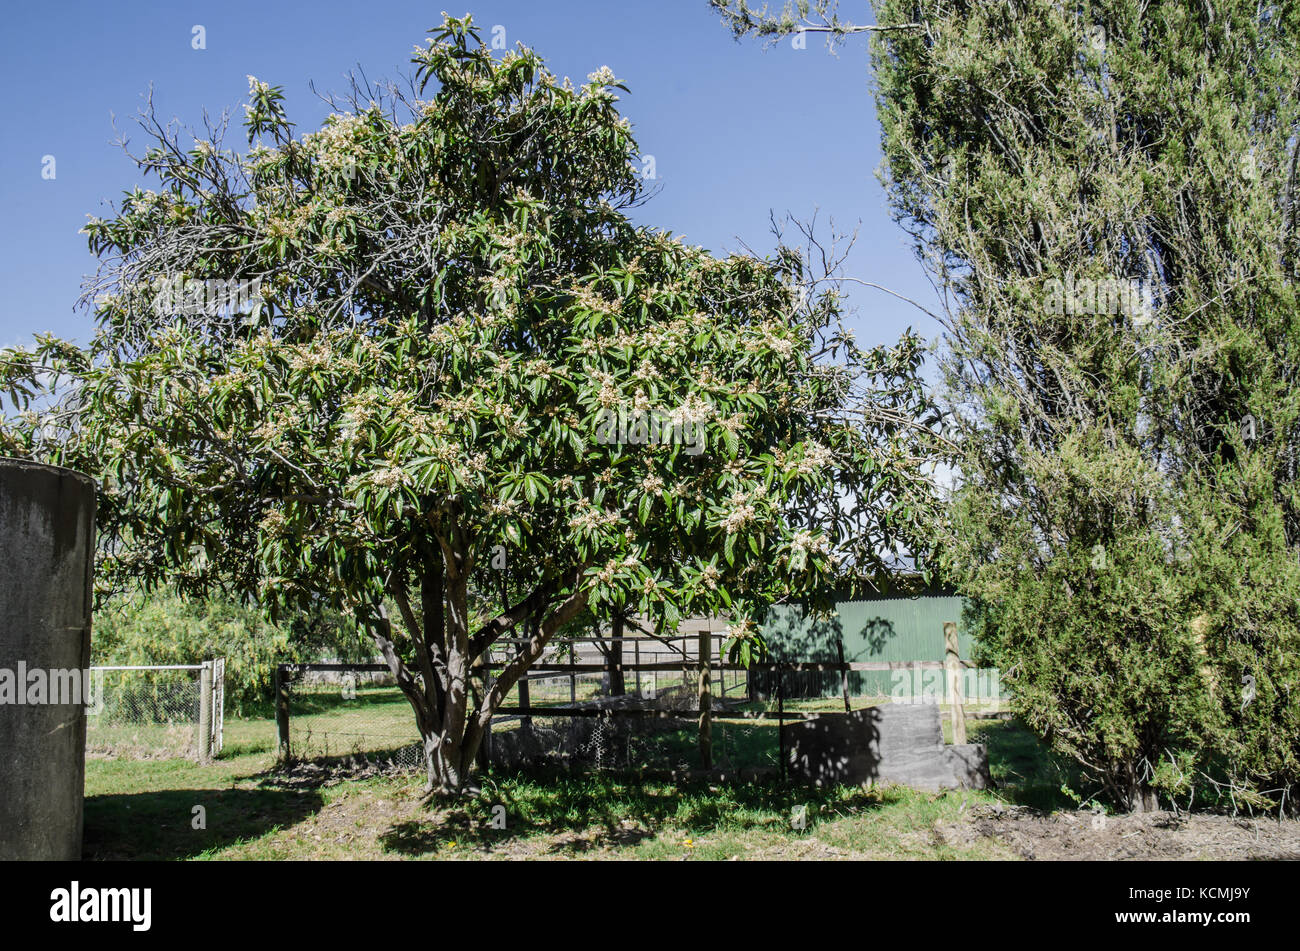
736	129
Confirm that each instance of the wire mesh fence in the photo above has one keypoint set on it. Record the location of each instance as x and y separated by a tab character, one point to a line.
145	712
332	710
633	740
327	711
659	727
647	719
582	706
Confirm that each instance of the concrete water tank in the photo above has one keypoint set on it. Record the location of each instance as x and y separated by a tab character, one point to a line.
47	524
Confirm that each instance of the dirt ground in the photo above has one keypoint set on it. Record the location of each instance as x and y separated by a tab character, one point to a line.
1150	836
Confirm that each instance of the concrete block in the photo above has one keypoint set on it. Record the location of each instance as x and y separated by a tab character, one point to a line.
47	518
890	743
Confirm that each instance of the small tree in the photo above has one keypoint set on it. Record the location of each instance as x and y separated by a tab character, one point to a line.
463	372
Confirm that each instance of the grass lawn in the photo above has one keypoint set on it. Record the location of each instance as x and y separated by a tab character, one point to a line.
146	809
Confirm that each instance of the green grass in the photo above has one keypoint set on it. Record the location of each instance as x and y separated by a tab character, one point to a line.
325	723
659	820
1022	768
145	809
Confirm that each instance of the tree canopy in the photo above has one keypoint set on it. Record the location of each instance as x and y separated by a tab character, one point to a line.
379	366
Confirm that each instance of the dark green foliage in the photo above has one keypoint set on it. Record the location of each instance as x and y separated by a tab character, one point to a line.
1107	194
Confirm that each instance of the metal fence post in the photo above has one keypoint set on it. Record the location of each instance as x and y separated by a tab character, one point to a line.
205	713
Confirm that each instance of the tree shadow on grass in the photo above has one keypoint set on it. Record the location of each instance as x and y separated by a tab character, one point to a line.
613	810
316	771
160	825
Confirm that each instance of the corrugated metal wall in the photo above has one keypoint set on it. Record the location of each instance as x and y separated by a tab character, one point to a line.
885	629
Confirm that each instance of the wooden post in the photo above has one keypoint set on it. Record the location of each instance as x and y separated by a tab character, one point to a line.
218	705
484	755
722	686
282	712
573	674
479	672
724	663
780	719
705	641
617	682
205	713
952	665
844	675
525	721
525	695
636	659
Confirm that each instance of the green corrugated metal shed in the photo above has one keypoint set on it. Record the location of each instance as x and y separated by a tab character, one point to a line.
878	629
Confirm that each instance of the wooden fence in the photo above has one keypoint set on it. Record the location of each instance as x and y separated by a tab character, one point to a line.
704	661
704	631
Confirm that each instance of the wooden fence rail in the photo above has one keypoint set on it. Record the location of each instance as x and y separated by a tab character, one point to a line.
790	667
703	632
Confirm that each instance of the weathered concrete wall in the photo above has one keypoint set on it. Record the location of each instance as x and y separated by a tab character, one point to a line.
891	743
47	518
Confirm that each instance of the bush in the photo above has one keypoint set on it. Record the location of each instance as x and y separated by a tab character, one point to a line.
162	628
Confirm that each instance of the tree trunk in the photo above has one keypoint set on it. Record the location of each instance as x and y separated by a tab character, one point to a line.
453	767
450	734
1145	799
443	751
1140	795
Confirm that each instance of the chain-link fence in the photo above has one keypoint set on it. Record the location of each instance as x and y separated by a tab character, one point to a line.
154	712
331	710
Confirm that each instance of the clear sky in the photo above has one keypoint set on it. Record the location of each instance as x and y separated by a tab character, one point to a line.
736	129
